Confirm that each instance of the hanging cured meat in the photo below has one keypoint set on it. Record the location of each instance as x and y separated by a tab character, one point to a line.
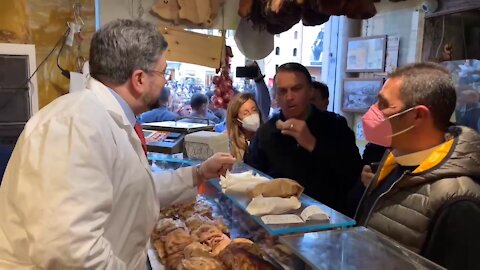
280	15
311	15
245	8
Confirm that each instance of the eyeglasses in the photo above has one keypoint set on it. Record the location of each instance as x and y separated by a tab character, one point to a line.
165	73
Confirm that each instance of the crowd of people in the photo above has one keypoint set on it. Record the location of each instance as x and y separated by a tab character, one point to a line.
79	193
199	108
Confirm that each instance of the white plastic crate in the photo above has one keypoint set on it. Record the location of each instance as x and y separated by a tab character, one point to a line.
203	144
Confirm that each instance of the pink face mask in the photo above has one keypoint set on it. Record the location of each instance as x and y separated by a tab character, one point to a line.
377	128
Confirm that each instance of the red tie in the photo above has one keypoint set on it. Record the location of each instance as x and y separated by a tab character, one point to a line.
141	136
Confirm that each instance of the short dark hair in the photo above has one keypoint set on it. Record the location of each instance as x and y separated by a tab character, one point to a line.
209	94
295	67
431	85
321	88
198	100
164	95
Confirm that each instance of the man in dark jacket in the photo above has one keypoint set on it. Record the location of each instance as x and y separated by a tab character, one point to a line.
321	95
199	103
426	192
161	113
313	147
220	113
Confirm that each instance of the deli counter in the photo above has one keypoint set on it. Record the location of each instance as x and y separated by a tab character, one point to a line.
335	243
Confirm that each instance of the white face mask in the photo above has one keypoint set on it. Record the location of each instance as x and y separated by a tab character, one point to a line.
251	122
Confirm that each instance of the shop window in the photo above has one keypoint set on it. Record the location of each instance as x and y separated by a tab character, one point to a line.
277	51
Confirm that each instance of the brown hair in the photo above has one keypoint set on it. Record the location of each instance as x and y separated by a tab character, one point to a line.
238	145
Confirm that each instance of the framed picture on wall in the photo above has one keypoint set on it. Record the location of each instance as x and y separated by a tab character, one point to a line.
360	94
366	54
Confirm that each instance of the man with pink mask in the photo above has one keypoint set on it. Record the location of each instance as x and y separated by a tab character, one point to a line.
426	193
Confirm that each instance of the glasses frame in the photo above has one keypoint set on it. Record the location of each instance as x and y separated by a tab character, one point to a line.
166	74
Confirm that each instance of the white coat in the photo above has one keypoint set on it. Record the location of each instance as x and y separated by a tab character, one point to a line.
78	192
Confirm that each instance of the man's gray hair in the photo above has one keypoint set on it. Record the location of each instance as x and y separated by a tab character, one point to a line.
122	46
431	85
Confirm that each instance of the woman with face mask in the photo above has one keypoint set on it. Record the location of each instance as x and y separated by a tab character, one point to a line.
243	120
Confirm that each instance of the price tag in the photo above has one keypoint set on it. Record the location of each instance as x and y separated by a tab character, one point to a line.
314	212
281	219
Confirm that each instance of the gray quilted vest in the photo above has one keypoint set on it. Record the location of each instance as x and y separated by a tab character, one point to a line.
404	212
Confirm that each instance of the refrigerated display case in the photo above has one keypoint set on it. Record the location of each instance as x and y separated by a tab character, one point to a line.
353	248
333	245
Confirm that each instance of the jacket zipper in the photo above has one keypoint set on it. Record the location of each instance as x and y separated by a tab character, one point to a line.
368	190
381	195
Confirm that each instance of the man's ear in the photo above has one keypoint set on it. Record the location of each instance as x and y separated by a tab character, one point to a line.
138	81
422	112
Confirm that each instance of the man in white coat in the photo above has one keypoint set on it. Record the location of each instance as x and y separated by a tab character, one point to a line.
78	192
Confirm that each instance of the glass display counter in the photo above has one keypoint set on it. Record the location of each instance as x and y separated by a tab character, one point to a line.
337	220
161	162
353	248
336	245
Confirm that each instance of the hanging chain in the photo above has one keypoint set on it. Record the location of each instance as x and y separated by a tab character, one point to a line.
140	9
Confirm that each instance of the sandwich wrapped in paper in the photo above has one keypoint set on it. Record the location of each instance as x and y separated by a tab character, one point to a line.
260	206
281	187
240	183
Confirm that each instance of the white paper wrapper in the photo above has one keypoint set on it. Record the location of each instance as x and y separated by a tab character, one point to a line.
260	206
240	182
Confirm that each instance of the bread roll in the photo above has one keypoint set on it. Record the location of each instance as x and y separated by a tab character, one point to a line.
219	244
245	244
212	237
280	187
205	232
173	261
196	220
165	226
176	241
160	248
196	249
200	263
280	124
239	258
